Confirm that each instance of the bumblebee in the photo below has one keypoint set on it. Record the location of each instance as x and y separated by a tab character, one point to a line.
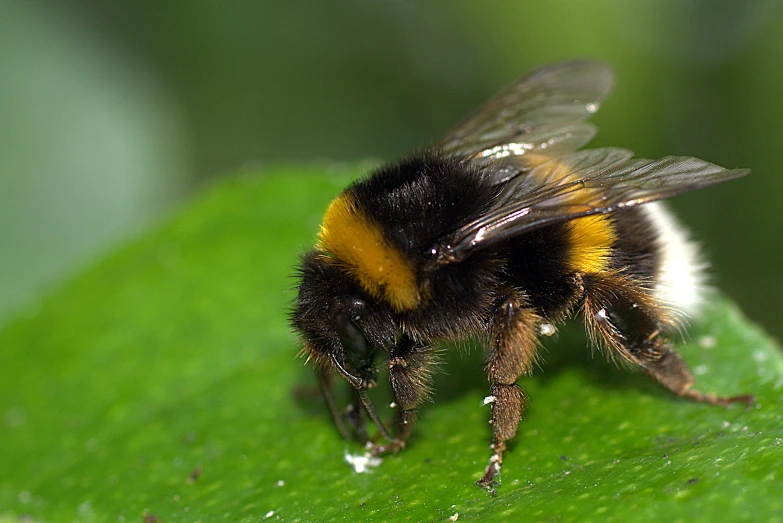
501	230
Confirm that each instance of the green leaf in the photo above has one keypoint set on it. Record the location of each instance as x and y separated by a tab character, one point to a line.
164	381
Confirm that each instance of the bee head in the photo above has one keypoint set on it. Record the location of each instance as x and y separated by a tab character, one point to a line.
342	328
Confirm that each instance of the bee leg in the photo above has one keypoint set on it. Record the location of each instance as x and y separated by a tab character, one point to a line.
410	366
513	351
630	322
672	373
325	384
357	417
353	413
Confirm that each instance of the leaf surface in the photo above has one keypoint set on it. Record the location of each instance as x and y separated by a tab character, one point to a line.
163	381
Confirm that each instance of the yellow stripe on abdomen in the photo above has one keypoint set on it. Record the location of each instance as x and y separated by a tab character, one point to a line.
590	241
359	247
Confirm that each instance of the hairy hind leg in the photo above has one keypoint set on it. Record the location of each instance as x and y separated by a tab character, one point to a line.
630	323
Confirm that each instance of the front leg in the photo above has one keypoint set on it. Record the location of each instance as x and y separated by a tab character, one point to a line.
351	422
325	385
513	351
410	365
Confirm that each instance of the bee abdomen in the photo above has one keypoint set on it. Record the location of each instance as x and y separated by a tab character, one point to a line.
653	248
680	268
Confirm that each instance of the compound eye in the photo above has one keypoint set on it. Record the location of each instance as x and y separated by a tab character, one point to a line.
359	352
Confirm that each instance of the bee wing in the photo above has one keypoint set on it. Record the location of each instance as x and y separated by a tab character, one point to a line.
584	183
539	116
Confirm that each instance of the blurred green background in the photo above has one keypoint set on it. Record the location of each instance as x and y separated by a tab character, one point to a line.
111	113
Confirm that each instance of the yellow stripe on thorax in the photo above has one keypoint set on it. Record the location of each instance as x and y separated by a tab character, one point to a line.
359	247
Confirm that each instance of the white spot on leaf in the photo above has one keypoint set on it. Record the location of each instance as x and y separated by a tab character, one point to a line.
362	463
